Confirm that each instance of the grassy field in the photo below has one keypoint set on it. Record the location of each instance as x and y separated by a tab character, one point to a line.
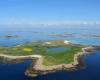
64	56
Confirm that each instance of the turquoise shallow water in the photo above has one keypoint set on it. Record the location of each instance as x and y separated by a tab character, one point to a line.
27	34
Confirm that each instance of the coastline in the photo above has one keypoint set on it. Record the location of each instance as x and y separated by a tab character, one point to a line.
37	68
40	69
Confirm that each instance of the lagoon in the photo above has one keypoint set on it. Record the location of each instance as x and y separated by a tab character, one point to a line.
57	50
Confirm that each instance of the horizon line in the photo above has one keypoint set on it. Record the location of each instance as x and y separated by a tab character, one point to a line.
51	23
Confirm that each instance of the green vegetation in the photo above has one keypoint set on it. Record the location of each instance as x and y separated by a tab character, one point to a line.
22	50
64	55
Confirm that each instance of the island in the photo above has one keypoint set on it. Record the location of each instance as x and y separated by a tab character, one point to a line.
74	35
9	36
47	56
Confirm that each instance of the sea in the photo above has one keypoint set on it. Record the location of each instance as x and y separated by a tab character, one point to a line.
78	34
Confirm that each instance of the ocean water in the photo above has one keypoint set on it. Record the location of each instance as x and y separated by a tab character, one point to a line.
28	34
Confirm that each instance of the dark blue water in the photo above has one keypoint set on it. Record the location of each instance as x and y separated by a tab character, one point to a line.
14	71
27	34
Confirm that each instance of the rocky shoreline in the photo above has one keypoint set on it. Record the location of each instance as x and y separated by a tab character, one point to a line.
37	68
40	69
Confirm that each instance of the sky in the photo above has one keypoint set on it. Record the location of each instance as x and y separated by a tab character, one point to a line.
49	11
